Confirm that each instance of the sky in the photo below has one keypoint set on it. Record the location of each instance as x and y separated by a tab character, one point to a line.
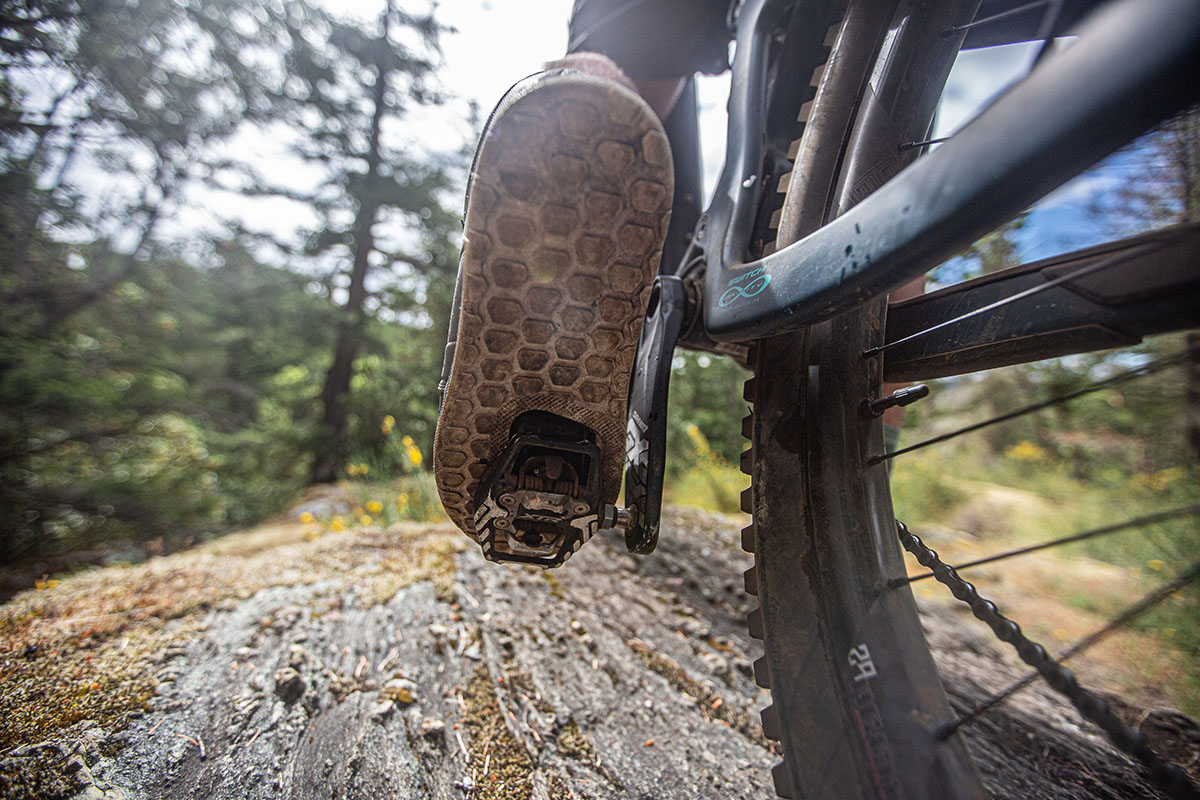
497	42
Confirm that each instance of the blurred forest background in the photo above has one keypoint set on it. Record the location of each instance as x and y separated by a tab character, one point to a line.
160	384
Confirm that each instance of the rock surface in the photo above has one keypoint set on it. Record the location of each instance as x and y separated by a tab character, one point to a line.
400	664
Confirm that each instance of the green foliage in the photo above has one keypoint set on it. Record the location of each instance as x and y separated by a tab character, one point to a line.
706	391
412	498
711	483
925	489
150	390
1104	458
704	432
383	242
184	405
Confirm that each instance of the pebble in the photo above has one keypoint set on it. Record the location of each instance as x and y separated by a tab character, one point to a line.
433	730
381	710
296	656
289	685
177	753
400	691
717	663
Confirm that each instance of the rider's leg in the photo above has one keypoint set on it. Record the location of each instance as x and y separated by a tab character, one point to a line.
660	94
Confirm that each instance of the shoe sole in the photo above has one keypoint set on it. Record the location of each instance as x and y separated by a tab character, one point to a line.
567	209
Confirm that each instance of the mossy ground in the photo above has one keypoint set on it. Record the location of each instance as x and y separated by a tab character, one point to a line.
710	703
574	743
500	766
39	777
89	646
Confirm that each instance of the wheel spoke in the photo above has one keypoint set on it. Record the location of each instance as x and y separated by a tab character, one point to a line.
1137	372
1094	709
913	145
1046	30
1012	12
1137	522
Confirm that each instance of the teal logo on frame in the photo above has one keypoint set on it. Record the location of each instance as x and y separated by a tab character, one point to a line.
745	286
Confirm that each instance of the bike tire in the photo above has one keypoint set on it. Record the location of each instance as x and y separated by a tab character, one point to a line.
856	698
858	705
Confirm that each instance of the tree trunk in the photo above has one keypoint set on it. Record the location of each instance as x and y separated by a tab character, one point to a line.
331	446
1191	401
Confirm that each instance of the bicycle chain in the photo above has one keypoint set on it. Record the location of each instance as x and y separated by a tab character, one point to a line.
1168	776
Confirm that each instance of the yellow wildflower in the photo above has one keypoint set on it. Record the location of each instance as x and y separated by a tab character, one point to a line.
338	523
374	506
311	535
389	422
307	517
1026	451
1155	564
414	455
365	519
352	470
402	501
363	469
1161	480
407	441
1170	475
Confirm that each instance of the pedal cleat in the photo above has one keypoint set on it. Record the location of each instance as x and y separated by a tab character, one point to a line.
539	500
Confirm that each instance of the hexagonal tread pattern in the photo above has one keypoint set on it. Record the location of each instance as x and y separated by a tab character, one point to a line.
568	207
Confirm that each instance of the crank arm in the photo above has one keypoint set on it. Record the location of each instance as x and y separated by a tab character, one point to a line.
646	429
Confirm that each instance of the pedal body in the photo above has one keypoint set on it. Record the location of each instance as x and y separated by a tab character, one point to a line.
539	500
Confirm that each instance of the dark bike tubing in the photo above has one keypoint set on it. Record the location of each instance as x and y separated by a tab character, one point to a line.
989	171
856	697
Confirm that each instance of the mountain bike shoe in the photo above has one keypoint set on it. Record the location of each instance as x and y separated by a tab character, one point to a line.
567	207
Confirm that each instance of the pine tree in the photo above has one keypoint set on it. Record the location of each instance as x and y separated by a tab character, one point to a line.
383	241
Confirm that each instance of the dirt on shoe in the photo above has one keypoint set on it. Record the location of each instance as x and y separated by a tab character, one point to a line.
567	210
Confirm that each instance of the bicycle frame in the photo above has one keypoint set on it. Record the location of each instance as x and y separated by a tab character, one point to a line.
930	210
976	181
